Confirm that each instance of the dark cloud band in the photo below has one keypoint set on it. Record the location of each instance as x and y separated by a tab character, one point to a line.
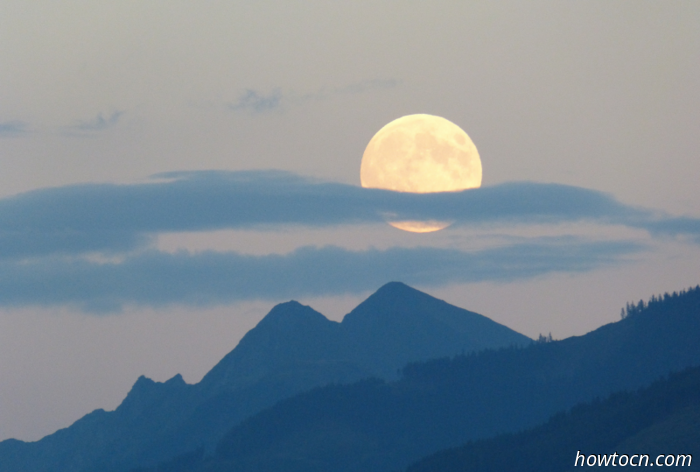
115	218
154	278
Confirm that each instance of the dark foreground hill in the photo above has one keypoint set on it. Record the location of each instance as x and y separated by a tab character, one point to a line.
374	426
293	349
662	419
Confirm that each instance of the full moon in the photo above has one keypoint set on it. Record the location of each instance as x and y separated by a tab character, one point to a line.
421	154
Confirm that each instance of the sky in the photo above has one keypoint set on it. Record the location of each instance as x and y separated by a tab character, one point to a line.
171	170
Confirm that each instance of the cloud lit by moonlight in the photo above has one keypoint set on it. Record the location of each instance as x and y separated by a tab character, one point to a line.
421	154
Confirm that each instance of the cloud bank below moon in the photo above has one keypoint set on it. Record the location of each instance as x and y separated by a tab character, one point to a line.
49	238
116	218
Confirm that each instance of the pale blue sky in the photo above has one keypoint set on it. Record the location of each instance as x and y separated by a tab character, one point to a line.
599	98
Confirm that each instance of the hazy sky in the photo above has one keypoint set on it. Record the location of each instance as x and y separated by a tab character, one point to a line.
170	170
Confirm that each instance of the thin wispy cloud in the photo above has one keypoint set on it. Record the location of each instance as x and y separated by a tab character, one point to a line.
93	125
11	129
154	278
255	101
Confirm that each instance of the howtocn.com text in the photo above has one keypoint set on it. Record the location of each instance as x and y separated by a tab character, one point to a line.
634	460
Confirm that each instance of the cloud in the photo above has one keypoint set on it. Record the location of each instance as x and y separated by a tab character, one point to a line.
154	278
13	128
54	242
255	102
120	218
671	226
93	125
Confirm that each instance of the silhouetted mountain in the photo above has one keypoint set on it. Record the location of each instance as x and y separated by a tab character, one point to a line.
399	324
377	426
293	349
662	419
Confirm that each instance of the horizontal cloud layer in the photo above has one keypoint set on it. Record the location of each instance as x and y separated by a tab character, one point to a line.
49	237
117	218
154	278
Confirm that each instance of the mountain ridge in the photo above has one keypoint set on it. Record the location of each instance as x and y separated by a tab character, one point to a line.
441	403
292	349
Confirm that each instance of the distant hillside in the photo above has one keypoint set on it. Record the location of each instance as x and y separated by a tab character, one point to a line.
293	349
661	419
377	426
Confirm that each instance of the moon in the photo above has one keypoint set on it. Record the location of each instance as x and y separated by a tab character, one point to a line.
421	154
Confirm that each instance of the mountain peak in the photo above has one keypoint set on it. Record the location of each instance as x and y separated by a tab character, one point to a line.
291	313
393	289
396	298
146	392
290	332
400	324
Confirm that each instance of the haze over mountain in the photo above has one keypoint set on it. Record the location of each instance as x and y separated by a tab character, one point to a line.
377	426
293	349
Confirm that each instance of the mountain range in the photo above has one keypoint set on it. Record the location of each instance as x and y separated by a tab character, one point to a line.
292	350
376	425
405	382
